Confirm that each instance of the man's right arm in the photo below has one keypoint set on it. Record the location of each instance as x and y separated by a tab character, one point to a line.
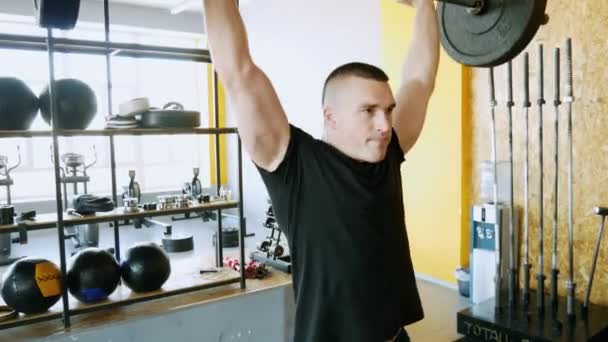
261	120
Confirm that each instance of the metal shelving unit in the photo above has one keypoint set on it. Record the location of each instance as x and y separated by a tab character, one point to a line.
59	220
117	132
92	47
47	221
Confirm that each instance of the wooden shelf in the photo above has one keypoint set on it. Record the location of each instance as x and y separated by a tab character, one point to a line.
101	319
185	278
54	313
117	132
45	221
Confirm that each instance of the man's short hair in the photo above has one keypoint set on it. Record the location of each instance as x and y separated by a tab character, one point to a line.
357	69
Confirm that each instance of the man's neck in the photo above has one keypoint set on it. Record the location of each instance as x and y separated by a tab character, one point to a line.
338	147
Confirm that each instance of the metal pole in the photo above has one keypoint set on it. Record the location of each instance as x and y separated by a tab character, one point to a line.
59	203
218	177
512	269
106	10
569	99
556	104
596	252
498	240
540	291
8	192
602	212
241	213
527	105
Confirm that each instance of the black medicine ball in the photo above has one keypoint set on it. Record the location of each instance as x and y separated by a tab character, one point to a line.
146	267
93	275
76	104
18	104
31	285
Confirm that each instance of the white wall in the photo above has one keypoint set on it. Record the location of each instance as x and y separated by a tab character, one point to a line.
297	43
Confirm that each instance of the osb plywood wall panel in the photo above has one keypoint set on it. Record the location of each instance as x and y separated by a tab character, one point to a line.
586	22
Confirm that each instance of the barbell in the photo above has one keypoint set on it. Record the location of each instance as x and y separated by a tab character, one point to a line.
478	33
487	33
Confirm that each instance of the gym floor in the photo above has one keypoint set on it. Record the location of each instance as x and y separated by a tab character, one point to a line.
440	307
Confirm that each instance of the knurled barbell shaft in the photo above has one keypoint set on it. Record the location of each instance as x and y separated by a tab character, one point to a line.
467	3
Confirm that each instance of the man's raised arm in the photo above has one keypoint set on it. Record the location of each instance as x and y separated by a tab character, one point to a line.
419	73
262	123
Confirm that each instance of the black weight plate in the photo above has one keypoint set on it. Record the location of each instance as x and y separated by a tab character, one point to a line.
59	14
170	119
496	35
178	243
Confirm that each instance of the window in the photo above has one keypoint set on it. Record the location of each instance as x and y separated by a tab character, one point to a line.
161	162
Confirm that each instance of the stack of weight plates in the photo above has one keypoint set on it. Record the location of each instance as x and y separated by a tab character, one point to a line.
137	113
128	114
121	122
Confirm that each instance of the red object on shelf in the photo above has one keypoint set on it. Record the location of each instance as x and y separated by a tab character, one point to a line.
253	269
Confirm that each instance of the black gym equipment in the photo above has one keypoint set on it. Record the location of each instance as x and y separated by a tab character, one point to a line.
58	14
230	237
5	171
270	251
176	243
7	213
172	115
18	104
93	275
76	104
194	187
194	190
132	190
146	267
170	242
31	285
74	172
90	204
7	217
485	33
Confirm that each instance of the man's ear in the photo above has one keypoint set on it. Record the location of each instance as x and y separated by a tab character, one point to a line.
329	117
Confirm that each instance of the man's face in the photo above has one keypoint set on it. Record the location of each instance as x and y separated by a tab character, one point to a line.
358	117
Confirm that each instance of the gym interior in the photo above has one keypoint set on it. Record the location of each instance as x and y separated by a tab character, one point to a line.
143	165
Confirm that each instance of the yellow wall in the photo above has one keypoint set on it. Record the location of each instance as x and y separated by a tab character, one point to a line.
222	123
432	173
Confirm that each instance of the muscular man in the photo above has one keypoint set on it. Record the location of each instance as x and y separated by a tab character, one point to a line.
338	200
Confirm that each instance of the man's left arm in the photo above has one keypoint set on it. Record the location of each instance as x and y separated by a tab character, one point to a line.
418	75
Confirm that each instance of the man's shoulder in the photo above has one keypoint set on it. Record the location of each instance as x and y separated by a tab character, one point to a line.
298	133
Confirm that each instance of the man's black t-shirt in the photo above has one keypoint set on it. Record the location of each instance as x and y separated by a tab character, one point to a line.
345	225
